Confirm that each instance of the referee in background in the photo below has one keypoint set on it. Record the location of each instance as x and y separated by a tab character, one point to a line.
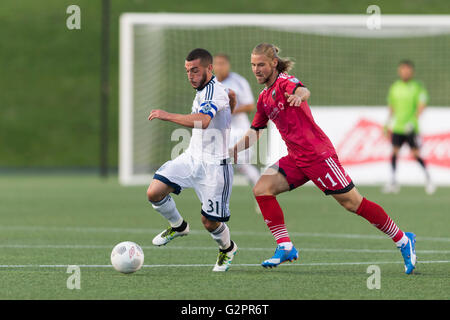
407	99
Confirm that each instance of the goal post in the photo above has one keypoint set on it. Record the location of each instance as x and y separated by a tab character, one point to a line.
342	59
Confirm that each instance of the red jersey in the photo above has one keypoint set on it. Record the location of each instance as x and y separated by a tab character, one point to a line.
305	141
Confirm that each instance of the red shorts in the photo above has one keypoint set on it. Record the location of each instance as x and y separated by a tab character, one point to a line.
327	174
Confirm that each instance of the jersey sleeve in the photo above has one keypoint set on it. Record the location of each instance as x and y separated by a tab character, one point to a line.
260	120
291	84
213	102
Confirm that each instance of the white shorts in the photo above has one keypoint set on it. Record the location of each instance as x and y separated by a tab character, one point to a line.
211	182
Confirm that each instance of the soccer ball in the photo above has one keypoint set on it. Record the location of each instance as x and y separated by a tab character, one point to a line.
127	257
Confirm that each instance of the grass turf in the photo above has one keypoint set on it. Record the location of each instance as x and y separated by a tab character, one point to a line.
76	220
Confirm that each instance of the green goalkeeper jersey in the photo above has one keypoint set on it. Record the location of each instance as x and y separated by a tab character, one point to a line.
404	98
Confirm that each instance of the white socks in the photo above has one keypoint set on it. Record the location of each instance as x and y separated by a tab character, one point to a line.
400	243
286	245
167	208
222	236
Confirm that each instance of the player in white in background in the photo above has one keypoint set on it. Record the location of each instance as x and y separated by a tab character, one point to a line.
245	104
204	166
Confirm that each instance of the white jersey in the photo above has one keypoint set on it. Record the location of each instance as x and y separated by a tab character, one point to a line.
211	144
244	96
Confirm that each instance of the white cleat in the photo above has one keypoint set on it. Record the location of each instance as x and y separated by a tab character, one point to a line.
168	235
224	259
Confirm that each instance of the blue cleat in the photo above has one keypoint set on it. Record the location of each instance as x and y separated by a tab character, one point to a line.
281	255
408	251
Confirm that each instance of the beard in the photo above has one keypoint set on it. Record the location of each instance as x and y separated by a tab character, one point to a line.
202	81
266	79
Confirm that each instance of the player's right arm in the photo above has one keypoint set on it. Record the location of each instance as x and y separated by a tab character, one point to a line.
388	120
194	120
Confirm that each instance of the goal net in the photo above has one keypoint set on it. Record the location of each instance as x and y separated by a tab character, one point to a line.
342	59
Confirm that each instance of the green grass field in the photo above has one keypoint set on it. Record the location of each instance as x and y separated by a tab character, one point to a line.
48	222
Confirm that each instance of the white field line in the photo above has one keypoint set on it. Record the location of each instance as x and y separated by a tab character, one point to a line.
194	232
211	265
77	246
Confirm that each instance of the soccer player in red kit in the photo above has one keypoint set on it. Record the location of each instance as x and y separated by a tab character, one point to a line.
311	156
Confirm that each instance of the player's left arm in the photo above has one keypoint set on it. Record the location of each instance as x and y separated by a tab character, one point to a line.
195	120
299	94
423	100
420	108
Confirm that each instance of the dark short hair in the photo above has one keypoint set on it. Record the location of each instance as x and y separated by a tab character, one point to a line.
202	54
407	63
222	55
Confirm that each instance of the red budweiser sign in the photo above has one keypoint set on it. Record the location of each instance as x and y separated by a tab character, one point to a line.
365	143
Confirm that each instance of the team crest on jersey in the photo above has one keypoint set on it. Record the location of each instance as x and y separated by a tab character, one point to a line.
206	107
294	80
274	94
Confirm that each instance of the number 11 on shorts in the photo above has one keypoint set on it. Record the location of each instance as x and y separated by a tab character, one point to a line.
327	176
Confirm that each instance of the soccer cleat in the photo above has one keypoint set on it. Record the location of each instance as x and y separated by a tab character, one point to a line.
408	251
281	255
168	235
224	259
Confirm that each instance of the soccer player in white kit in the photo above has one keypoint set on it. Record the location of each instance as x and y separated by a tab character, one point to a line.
239	119
204	166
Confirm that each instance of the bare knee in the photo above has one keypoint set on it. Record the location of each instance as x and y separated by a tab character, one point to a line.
153	195
210	225
262	190
157	191
350	200
271	183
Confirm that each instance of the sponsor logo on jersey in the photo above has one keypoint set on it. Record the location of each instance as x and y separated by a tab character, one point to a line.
294	80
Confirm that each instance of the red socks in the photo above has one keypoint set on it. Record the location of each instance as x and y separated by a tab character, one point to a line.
375	214
372	212
273	217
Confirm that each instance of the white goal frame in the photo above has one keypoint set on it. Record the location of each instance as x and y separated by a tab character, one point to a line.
126	54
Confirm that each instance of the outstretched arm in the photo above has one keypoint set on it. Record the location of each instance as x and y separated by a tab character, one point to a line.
188	120
247	108
300	94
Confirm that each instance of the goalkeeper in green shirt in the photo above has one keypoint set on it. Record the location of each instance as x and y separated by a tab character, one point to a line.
407	99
